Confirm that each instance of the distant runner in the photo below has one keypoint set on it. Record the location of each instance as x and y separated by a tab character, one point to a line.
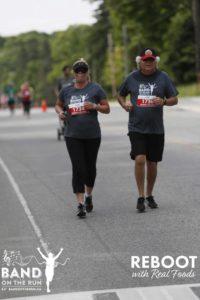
26	97
10	92
66	79
62	82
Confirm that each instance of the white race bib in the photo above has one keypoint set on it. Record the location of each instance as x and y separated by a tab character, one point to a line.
145	101
77	109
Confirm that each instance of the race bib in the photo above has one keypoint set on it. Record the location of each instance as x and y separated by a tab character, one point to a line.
77	109
145	101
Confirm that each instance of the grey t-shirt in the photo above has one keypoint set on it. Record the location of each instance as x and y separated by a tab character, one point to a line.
79	122
64	82
145	117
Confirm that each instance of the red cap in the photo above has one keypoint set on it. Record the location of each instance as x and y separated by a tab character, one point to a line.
148	53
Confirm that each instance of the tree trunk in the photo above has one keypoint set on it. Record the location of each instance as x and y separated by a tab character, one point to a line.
196	21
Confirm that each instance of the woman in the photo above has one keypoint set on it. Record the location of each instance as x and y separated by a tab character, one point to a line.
26	97
82	101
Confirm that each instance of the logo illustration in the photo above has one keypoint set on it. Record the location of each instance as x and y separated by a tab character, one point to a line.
51	264
147	89
17	275
10	258
152	87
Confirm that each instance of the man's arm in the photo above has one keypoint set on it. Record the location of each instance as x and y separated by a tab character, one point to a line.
166	101
127	106
171	101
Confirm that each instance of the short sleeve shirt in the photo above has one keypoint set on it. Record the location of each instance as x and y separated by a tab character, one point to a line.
145	117
79	122
64	82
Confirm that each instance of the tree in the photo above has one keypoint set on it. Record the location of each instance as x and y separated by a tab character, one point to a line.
67	46
196	20
164	26
98	43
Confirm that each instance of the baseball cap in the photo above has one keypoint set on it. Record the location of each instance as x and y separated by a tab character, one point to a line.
81	64
148	53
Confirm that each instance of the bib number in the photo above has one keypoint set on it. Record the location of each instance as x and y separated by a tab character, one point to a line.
77	109
145	101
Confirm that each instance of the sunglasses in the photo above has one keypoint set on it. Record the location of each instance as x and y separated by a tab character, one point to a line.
148	59
82	70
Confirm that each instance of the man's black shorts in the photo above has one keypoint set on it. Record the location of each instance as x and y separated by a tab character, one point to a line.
151	145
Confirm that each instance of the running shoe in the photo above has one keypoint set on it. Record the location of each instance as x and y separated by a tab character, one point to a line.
88	204
151	202
81	213
140	204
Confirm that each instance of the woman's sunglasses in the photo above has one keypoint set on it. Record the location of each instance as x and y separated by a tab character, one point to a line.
81	69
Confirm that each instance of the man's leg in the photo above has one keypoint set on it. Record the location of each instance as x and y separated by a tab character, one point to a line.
140	161
138	153
155	148
151	177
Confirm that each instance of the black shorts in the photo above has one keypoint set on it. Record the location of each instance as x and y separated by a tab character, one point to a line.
151	145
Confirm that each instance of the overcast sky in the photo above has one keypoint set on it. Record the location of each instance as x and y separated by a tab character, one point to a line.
19	16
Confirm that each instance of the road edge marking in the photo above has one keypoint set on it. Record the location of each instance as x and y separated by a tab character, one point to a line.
24	204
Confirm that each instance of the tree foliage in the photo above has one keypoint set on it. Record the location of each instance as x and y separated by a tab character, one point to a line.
166	26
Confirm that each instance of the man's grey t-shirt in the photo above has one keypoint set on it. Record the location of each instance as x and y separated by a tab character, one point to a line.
79	122
62	82
145	117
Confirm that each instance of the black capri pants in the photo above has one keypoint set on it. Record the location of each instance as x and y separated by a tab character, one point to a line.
83	154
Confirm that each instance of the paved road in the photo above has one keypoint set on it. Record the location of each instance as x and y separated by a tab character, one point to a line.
37	207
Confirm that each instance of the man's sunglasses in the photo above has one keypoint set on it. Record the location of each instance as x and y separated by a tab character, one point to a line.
82	70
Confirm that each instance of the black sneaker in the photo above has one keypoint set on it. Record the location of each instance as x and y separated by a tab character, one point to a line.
88	204
151	202
140	204
81	213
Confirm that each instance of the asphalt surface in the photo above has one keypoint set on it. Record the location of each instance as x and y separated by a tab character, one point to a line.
99	247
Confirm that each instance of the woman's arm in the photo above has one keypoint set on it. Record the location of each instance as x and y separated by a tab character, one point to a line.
59	109
103	106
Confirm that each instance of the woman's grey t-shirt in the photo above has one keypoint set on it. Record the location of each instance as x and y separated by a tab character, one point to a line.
80	123
145	117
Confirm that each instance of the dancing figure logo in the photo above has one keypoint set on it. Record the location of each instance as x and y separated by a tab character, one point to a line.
19	273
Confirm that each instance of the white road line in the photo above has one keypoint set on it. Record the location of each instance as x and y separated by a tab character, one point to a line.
23	202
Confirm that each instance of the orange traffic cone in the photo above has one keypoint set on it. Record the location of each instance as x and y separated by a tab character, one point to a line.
44	105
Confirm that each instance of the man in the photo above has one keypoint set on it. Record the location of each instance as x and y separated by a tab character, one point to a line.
150	89
65	80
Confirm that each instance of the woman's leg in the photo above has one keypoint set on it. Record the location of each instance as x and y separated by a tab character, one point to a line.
91	153
76	151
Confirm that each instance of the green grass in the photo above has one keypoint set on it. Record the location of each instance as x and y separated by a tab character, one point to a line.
192	89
